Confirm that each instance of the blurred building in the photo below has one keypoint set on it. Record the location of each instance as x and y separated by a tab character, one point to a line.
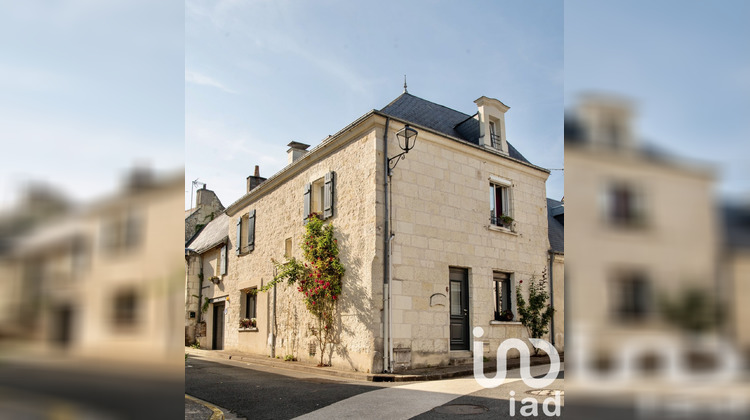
644	223
736	271
102	280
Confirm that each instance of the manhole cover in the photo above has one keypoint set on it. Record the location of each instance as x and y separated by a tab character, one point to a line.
546	392
461	409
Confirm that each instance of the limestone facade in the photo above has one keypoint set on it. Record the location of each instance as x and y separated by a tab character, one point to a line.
440	219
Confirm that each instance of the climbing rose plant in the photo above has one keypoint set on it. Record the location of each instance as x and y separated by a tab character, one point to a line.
318	277
537	313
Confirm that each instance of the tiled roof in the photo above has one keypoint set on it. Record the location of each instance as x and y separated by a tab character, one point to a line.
214	233
442	119
555	229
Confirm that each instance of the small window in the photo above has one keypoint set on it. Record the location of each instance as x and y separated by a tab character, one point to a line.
632	297
319	197
249	300
500	205
125	308
245	239
288	248
623	205
494	137
502	293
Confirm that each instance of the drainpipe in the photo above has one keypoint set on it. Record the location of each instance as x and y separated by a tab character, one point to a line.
386	257
552	296
390	297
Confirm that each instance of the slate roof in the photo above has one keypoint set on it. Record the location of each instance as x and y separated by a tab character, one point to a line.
736	224
556	229
214	233
440	118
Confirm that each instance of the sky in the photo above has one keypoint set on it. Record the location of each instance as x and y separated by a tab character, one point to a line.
259	74
89	90
686	66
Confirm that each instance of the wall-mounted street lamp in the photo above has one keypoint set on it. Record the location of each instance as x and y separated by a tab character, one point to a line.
407	138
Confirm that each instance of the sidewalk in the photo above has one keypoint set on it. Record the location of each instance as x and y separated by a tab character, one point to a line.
421	374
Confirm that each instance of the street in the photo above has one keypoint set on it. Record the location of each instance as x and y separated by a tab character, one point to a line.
255	392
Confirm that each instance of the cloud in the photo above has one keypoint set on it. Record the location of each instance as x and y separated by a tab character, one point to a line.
201	79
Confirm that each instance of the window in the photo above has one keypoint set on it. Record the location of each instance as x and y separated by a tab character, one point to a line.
248	303
122	232
288	248
245	233
501	283
319	197
494	137
124	308
623	205
631	297
500	203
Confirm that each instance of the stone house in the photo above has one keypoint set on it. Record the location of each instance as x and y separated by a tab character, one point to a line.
207	206
644	222
464	222
104	280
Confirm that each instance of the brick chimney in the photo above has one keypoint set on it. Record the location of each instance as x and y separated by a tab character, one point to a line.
255	179
296	151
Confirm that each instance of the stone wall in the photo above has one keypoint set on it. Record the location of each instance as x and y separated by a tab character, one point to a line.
279	215
441	219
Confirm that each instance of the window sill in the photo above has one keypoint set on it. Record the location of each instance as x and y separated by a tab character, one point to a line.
505	323
254	329
501	229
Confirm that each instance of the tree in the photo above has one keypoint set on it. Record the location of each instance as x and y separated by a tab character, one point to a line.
537	313
318	277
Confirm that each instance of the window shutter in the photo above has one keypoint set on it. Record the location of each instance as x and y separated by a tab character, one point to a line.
251	230
308	196
223	262
238	247
328	196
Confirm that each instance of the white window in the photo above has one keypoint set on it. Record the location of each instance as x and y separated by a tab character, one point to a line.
623	205
503	296
501	207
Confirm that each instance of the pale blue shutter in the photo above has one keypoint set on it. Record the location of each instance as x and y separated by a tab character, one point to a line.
328	196
308	196
251	231
223	262
238	246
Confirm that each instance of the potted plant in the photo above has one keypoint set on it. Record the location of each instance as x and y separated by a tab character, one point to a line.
505	220
215	279
506	315
246	323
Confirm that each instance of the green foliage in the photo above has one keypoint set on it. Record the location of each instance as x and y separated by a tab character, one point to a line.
537	313
290	358
204	308
318	277
693	311
195	345
186	356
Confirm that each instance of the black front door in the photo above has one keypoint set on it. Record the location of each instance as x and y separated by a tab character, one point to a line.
459	308
218	343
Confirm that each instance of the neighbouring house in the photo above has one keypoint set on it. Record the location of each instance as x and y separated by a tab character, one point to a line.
440	250
644	222
735	264
105	280
556	234
207	207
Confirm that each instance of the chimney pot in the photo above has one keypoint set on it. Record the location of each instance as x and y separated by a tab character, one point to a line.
296	151
254	180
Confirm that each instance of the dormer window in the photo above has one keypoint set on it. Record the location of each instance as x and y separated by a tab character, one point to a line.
494	138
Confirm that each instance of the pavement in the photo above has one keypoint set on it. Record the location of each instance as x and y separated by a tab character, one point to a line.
196	409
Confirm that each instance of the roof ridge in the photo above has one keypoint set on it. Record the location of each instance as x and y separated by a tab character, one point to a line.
426	100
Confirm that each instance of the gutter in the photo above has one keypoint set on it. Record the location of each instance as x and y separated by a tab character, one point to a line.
387	350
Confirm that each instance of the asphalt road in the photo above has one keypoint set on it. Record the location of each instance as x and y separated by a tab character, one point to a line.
30	391
258	393
254	392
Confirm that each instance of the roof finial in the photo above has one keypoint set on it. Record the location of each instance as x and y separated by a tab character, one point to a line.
405	91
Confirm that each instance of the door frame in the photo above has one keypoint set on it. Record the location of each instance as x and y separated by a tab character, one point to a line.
459	275
218	307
